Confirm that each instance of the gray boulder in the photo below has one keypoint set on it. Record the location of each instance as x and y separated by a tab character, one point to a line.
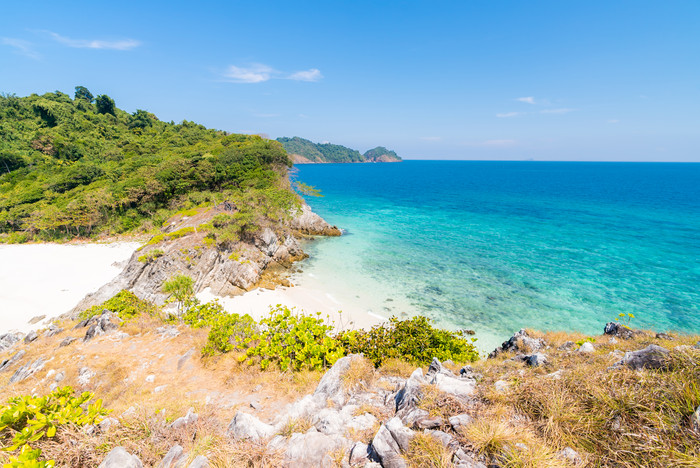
447	440
108	423
8	340
312	450
651	357
401	434
536	360
247	426
387	449
308	222
120	458
520	342
52	330
359	454
331	421
460	420
462	460
407	398
586	347
175	456
330	388
459	387
199	462
66	341
620	331
7	363
27	370
570	455
184	421
99	325
566	346
31	336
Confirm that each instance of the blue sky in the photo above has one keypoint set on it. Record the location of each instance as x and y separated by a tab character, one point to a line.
544	80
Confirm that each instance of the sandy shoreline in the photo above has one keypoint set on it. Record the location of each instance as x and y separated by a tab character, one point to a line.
50	279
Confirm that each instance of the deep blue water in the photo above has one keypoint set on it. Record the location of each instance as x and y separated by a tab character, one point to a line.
496	246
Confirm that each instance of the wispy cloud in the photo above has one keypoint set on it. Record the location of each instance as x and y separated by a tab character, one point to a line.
312	75
557	111
527	100
506	115
259	73
123	44
255	73
21	47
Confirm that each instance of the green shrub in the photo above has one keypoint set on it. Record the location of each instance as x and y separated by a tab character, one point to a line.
181	233
414	340
294	342
125	304
203	315
150	256
26	419
229	332
180	289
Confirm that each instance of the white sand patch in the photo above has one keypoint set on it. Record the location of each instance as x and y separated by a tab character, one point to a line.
305	300
50	279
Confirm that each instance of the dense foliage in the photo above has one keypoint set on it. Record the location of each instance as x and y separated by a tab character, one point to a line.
27	419
74	167
125	305
320	152
380	154
414	340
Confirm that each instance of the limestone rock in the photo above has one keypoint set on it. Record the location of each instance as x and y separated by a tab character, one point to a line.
461	388
31	336
27	370
520	342
407	398
199	462
120	458
463	460
84	375
651	357
52	330
401	434
460	420
359	454
570	455
387	449
108	423
501	386
331	385
99	325
182	422
7	340
308	222
659	336
247	426
536	360
173	458
567	346
619	330
66	341
586	347
312	450
7	363
447	440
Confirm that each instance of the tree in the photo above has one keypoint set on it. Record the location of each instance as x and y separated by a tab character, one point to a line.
181	289
140	119
81	92
105	104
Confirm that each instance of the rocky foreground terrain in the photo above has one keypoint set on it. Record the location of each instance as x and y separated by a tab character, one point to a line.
538	400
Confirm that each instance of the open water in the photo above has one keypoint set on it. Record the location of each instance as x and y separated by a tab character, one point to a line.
496	246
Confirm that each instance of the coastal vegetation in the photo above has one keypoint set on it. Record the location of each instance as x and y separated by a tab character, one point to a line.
306	151
82	167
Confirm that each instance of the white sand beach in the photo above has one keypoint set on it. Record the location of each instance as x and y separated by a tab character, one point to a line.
50	279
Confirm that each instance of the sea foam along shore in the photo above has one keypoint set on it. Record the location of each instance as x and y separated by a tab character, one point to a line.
49	279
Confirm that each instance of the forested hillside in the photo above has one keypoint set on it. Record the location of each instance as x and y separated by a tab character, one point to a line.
82	167
305	151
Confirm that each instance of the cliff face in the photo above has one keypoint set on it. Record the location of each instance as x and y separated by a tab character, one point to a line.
227	271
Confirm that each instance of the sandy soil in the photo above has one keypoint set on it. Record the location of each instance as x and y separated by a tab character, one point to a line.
50	279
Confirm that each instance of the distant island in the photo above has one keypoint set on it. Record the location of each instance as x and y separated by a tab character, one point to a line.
303	151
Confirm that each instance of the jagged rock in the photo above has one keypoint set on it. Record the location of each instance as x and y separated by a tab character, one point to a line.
199	462
566	346
387	449
612	340
53	330
410	418
120	458
168	331
330	421
362	422
359	454
619	330
99	325
536	360
520	342
447	440
651	357
27	370
466	371
460	420
308	222
436	367
312	450
586	347
60	375
247	426
36	319
31	336
174	458
462	460
183	359
695	420
330	388
7	340
66	341
461	388
84	375
430	423
182	422
664	336
401	434
7	363
570	455
108	423
407	398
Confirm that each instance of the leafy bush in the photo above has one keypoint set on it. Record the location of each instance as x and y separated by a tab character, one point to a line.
294	342
181	233
148	257
125	304
180	289
229	332
26	419
414	340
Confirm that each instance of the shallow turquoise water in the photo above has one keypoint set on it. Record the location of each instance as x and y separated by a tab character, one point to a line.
496	246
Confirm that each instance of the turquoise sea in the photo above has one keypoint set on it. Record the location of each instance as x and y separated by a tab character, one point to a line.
496	246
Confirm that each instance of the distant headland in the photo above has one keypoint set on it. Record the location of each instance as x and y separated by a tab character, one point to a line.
303	151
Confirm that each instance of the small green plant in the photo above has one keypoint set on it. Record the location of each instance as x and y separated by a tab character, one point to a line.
293	342
180	289
151	256
125	304
589	339
28	458
181	233
229	332
26	419
624	319
414	340
235	256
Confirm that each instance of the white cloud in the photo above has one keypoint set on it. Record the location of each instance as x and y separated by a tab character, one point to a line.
527	100
508	114
431	138
313	75
124	44
255	73
21	47
557	111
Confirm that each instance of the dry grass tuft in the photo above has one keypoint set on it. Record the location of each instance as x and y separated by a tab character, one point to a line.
439	403
247	454
397	368
295	425
360	375
425	451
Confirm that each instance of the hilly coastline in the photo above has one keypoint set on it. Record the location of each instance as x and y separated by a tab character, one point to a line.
304	151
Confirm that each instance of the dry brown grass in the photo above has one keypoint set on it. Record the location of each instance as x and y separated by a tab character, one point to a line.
424	451
397	368
439	403
246	454
360	375
294	425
